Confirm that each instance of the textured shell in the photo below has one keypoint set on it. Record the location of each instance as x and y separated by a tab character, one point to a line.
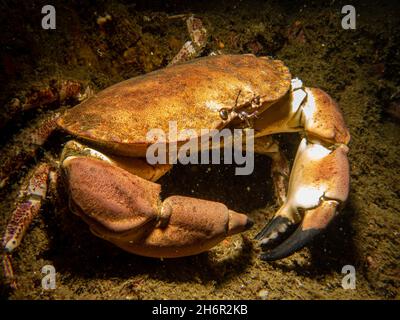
191	94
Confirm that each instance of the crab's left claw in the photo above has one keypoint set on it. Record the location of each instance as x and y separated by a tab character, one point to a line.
319	183
128	211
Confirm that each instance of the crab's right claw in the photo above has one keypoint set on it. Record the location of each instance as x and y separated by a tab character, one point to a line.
319	184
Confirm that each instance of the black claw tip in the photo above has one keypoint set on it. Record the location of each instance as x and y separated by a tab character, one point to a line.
295	242
274	232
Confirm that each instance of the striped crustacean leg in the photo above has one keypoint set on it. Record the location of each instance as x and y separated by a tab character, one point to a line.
28	206
44	96
194	47
30	199
8	271
24	146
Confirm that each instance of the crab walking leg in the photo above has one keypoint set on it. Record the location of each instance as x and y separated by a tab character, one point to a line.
127	210
319	182
43	97
193	48
279	169
31	196
25	145
8	271
32	193
55	92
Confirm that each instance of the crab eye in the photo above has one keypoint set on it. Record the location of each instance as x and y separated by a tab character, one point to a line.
224	114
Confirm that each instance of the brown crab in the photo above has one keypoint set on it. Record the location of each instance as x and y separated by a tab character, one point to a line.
115	191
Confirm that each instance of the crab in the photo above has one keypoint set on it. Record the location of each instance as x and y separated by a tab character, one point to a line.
113	188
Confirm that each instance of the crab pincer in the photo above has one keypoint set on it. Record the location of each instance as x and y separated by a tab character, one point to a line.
319	183
127	211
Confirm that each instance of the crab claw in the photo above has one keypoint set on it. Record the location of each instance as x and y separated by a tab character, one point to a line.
315	221
318	185
127	211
